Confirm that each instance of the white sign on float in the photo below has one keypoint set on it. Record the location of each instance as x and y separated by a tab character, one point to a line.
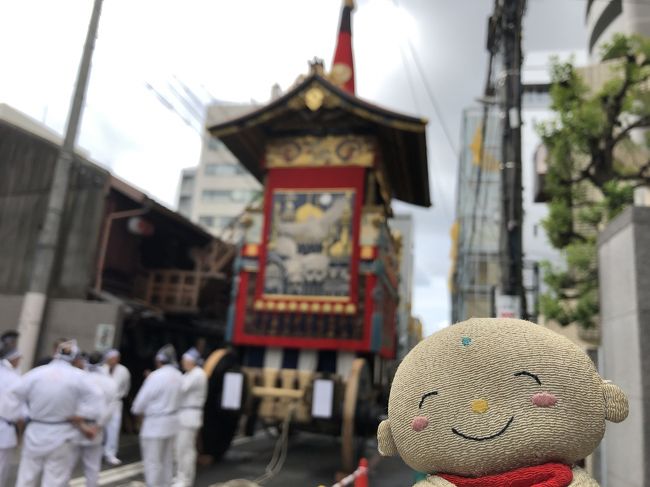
507	306
104	335
322	399
233	384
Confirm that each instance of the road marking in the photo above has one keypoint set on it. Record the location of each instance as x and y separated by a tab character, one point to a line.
130	470
112	475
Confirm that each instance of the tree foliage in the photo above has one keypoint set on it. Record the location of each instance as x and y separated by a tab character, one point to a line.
597	155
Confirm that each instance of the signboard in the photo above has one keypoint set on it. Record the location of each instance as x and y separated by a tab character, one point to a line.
507	306
231	394
322	398
104	336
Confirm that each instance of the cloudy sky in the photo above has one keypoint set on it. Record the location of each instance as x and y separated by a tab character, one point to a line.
410	55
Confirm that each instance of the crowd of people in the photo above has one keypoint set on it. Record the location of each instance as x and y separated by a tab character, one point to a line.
67	411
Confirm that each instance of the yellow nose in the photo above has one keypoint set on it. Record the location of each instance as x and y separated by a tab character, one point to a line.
479	406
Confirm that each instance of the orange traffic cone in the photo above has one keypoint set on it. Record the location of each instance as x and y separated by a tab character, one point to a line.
362	479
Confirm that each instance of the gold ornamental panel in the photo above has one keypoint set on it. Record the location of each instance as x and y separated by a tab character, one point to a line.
311	151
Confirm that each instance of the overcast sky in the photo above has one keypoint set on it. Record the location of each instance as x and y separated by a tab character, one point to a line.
235	50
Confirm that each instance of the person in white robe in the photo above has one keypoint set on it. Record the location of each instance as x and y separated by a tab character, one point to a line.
194	390
53	394
158	400
89	451
9	350
10	414
122	377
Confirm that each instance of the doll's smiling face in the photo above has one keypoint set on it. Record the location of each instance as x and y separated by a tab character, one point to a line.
485	396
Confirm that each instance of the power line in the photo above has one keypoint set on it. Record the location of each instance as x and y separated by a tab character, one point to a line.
434	182
409	78
415	102
432	98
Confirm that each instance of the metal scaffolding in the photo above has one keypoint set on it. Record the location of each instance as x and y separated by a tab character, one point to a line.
476	270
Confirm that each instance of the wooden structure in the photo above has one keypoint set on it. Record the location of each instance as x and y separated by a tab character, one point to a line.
124	261
312	319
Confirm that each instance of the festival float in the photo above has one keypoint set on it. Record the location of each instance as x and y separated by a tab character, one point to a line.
312	319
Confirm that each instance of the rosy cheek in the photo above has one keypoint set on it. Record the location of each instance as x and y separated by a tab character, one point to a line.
544	399
419	423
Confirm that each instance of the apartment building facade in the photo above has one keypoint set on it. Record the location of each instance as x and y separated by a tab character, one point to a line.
216	191
606	18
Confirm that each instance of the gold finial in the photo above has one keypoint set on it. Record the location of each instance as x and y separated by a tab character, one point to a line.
348	3
317	66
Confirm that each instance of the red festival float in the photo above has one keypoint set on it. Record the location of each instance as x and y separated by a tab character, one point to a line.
312	320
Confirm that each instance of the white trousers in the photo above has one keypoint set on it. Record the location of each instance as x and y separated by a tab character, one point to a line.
91	461
56	467
6	456
185	457
158	460
112	432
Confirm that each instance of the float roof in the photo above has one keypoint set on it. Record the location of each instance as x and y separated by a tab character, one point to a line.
303	111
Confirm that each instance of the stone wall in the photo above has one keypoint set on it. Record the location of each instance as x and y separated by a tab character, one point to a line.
69	318
624	274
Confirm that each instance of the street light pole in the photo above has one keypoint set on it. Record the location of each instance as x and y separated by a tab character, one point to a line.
35	300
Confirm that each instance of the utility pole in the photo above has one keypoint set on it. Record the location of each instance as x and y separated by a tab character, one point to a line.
512	12
35	300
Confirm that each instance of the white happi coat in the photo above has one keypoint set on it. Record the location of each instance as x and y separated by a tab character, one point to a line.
53	393
194	390
122	378
158	400
10	411
105	388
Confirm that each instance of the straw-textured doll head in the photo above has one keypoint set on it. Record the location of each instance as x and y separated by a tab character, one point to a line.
488	396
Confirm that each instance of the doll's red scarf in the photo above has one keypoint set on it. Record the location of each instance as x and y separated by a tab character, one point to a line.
546	475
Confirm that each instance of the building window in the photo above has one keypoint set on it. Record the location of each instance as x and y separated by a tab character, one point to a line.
184	205
222	170
214	145
242	195
223	221
228	196
214	195
187	184
207	221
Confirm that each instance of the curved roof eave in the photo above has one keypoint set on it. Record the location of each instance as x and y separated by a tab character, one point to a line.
245	135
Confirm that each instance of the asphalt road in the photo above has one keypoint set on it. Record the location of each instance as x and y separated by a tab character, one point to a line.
312	460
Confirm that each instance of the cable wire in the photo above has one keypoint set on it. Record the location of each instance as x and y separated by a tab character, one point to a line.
432	98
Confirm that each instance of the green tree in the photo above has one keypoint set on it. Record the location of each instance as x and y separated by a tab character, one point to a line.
596	158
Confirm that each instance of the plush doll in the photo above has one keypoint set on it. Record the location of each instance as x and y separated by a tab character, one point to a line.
498	402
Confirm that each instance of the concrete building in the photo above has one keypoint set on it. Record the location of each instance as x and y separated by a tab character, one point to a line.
215	192
129	272
608	17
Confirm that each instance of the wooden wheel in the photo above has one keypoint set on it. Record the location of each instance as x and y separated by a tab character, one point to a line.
219	425
357	406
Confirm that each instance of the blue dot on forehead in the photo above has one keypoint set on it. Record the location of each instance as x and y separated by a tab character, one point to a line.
466	341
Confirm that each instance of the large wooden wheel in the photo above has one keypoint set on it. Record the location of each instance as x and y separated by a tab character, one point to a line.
357	408
219	425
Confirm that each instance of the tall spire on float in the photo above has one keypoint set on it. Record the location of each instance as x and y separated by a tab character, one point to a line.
342	73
